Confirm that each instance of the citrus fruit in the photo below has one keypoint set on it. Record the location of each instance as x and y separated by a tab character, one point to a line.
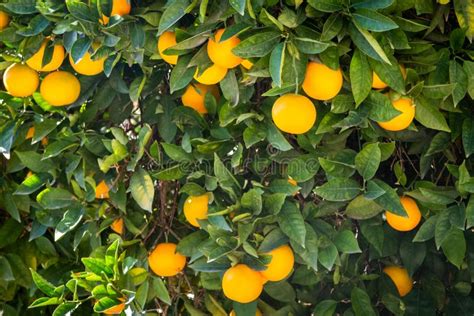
401	223
400	278
165	261
20	80
30	133
321	82
404	119
117	226
281	263
29	174
378	83
117	309
102	190
195	94
257	313
87	66
166	40
293	113
211	75
220	52
242	284
196	208
36	61
119	7
60	88
4	20
247	64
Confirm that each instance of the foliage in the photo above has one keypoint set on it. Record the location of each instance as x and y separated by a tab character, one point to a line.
129	128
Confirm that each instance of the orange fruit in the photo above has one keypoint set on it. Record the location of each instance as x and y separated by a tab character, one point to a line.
30	133
321	82
220	52
400	278
117	226
242	284
401	223
87	66
281	264
167	40
102	190
44	141
211	75
119	7
165	261
117	309
195	94
4	20
60	88
257	313
20	80
293	113
36	61
247	64
29	174
404	119
196	208
377	83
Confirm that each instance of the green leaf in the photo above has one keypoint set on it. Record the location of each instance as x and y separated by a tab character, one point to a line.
458	76
367	43
390	74
362	208
326	5
367	160
309	251
79	48
97	266
465	14
338	189
174	11
257	45
21	6
468	136
230	88
55	198
225	177
160	290
370	4
426	230
389	200
380	107
361	77
43	285
172	173
182	74
33	161
310	45
252	199
373	21
7	133
361	303
281	291
81	11
274	202
429	115
454	246
277	59
66	308
45	301
291	222
70	220
325	308
346	242
142	189
470	212
176	152
238	5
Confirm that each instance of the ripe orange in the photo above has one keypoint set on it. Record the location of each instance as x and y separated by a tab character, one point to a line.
117	309
257	313
4	20
195	94
400	278
221	53
117	226
119	7
167	40
165	261
377	83
36	61
87	66
401	223
242	284
60	88
211	75
293	113
102	190
281	264
196	208
404	119
247	64
321	82
20	80
31	133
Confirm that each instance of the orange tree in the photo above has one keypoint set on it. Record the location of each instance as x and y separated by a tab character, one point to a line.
246	157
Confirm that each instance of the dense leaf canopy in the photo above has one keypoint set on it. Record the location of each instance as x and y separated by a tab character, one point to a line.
92	179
